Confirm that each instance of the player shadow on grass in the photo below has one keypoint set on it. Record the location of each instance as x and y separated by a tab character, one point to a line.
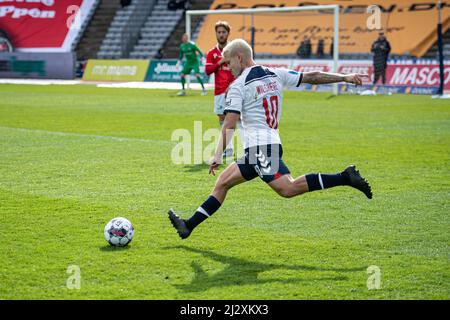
239	271
196	167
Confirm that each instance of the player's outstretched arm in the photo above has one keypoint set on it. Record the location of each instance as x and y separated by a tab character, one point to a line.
318	77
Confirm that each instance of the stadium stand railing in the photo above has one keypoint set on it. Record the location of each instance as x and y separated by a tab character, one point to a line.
124	30
96	29
157	29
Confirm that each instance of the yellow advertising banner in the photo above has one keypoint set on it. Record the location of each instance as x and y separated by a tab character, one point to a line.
410	25
116	70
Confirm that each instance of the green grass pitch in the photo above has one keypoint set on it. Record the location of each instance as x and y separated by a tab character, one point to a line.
73	157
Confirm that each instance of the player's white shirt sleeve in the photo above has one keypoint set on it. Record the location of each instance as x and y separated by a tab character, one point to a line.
234	99
289	78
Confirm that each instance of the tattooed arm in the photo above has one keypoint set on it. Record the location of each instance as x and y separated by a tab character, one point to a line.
318	77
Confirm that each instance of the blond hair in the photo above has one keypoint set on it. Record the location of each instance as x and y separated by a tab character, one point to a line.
222	24
238	46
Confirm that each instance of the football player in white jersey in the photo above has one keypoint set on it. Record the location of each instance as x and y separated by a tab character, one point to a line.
256	97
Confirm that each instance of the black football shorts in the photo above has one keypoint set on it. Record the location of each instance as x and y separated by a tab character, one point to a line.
263	161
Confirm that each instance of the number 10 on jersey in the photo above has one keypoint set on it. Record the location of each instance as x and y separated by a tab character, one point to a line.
270	105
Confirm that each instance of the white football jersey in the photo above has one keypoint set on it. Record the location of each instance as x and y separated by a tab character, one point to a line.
257	95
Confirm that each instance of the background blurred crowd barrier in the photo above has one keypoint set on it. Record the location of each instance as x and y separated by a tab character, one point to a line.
37	65
116	70
403	76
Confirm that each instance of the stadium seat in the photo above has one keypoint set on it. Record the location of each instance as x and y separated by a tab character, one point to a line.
124	29
157	29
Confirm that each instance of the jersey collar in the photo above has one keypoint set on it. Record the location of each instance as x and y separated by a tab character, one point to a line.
247	70
218	48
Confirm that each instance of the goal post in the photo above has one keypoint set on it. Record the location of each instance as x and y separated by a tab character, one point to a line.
251	12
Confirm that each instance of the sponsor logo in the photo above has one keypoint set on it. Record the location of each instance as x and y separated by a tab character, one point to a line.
355	69
23	67
168	71
115	70
315	67
418	76
423	90
263	163
18	13
165	67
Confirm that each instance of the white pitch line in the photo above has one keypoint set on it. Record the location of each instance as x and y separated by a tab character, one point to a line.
106	84
81	135
152	85
41	82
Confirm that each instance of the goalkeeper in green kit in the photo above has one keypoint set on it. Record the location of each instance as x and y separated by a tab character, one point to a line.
189	50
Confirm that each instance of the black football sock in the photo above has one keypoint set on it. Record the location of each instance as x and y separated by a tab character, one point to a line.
319	181
203	212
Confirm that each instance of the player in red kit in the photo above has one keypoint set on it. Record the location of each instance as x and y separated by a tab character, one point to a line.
222	74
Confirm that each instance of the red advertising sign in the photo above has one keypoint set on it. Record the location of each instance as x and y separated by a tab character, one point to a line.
312	65
43	25
357	67
405	75
419	75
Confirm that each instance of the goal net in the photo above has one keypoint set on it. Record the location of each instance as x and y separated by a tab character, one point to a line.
273	32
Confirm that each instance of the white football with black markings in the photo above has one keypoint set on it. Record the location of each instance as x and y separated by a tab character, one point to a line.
119	232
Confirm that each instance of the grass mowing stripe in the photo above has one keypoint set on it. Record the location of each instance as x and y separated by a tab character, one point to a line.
71	134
